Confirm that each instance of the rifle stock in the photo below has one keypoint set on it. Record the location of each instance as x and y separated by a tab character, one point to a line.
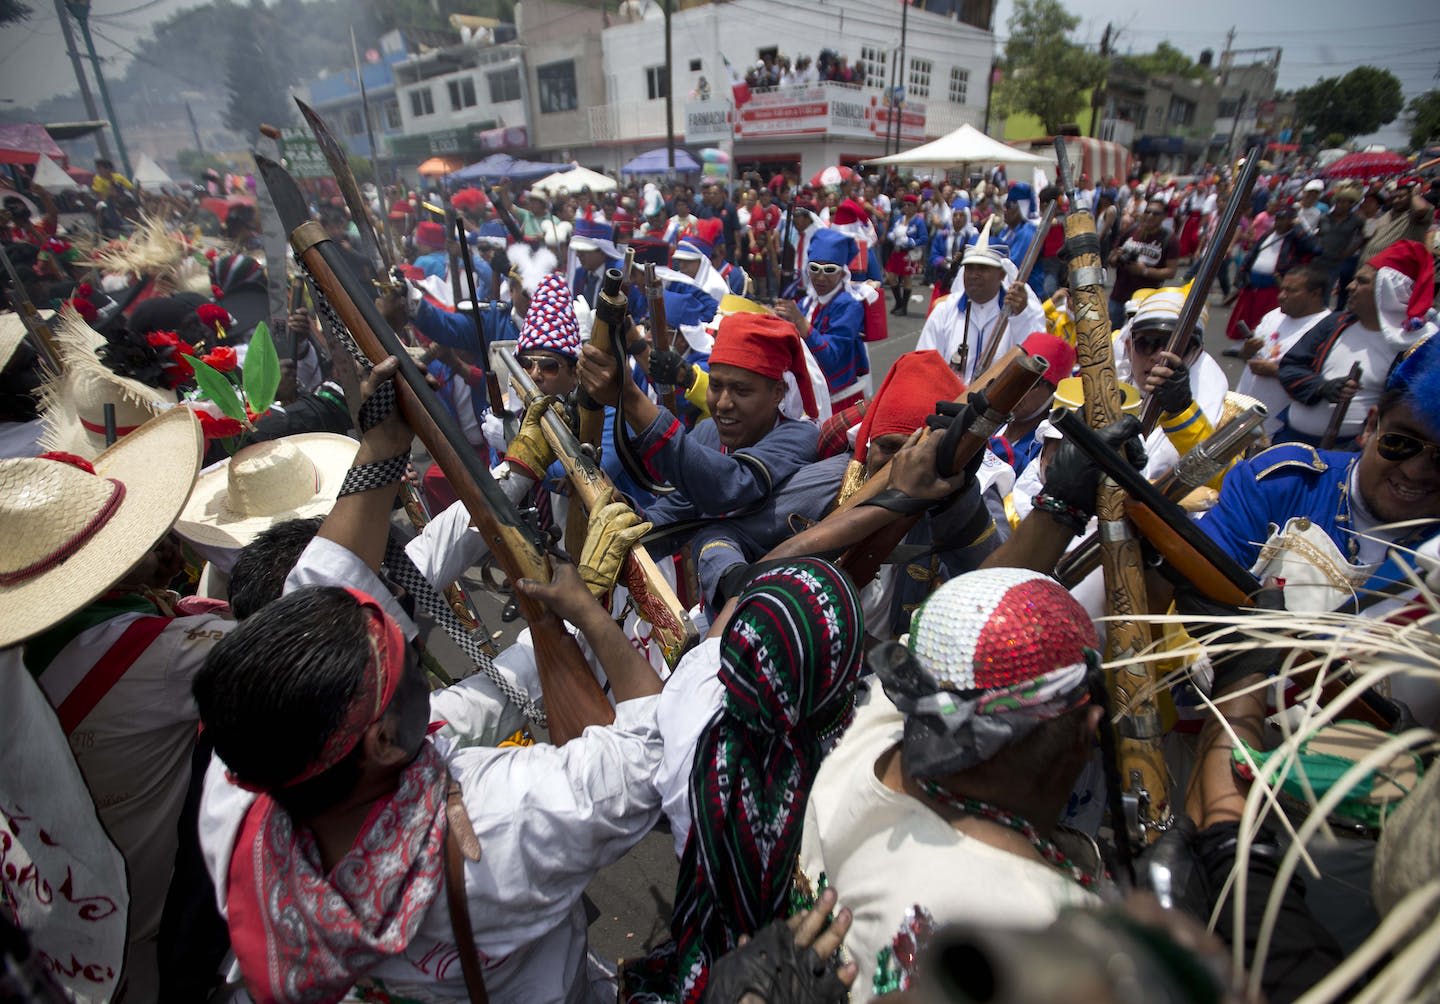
869	535
573	699
1337	417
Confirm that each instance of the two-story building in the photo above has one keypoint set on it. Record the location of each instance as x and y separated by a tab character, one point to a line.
335	94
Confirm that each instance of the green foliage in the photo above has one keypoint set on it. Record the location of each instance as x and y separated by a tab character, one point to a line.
1358	103
256	75
1165	61
1045	73
194	164
13	11
361	168
214	387
1424	114
262	370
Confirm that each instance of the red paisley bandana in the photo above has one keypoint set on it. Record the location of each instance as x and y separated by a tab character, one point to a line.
303	936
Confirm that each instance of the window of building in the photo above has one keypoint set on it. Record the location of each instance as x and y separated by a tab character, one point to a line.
462	93
656	82
422	102
392	115
876	66
920	78
505	85
354	124
1228	108
695	66
1182	112
959	85
556	83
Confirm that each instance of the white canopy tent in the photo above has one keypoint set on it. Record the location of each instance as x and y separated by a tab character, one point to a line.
966	145
575	179
149	174
52	177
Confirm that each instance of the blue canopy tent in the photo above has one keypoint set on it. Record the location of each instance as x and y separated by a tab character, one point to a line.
657	161
502	165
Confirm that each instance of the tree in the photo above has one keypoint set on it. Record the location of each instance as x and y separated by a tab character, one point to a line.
255	78
13	12
1424	115
1046	74
1165	61
1360	102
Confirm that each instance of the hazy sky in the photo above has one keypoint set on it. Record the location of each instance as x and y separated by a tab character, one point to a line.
1319	37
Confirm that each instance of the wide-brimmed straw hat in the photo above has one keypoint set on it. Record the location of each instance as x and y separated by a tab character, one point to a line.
264	484
12	333
72	528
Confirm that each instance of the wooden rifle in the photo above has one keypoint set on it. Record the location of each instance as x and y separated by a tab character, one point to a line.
454	593
1022	278
500	199
606	332
1195	470
1189	556
1205	274
573	698
868	536
1144	783
654	597
1337	417
659	330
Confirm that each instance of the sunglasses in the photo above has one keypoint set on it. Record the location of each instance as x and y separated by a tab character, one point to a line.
824	268
544	364
1398	448
1150	346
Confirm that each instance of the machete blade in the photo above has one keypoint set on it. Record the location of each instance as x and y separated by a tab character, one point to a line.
339	162
284	193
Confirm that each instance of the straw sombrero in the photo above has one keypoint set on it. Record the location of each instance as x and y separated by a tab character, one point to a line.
13	332
70	534
266	483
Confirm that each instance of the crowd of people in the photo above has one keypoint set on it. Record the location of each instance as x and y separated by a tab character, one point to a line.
859	645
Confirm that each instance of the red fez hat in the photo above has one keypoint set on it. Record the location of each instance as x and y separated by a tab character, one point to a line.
1413	261
910	198
764	344
1055	350
429	234
849	211
916	381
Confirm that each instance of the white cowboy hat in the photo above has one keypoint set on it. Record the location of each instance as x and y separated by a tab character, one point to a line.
70	534
264	484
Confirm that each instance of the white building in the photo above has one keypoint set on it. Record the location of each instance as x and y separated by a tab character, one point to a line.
945	76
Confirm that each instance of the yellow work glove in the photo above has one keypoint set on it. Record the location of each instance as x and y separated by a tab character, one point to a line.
530	450
614	528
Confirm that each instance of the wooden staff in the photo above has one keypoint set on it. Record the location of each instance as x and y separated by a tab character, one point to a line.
573	698
1337	417
1144	776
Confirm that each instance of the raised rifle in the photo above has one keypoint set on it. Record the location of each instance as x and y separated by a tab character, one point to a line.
1143	797
493	389
865	537
1022	278
1337	417
500	199
1205	273
654	597
606	332
787	257
573	699
1195	470
659	330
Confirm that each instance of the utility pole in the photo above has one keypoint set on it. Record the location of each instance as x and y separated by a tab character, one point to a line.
898	111
194	129
81	10
83	81
1097	96
669	88
890	99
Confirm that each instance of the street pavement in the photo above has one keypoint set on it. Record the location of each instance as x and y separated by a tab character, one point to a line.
632	898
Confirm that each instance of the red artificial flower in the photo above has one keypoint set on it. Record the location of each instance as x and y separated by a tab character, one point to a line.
211	254
172	351
221	427
222	359
84	291
213	315
85	309
216	291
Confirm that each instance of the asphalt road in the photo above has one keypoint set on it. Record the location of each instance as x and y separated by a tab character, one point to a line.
632	898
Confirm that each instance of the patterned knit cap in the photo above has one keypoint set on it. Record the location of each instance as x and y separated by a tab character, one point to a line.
989	656
550	322
789	660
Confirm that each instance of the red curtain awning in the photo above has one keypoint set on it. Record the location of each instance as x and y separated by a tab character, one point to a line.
24	142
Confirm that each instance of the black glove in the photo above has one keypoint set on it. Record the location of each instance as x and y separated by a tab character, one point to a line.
670	368
1073	478
1330	389
772	966
953	418
1230	666
1174	394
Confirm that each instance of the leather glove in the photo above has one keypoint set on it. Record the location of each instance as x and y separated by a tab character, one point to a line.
953	418
1330	390
670	368
614	528
1073	479
772	966
1174	394
530	450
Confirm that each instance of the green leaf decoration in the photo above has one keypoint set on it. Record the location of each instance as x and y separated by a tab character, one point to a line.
262	370
214	387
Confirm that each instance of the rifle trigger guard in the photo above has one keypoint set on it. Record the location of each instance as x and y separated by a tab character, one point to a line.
1087	275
